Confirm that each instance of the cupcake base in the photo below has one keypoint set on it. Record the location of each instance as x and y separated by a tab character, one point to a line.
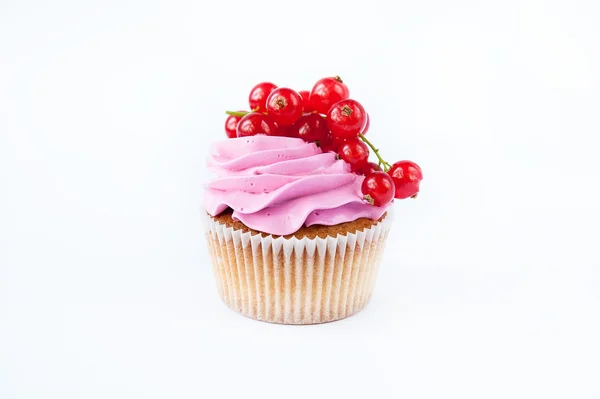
317	275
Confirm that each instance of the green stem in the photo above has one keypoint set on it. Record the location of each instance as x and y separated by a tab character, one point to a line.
237	113
386	166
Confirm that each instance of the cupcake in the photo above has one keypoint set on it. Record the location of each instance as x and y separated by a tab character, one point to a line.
296	217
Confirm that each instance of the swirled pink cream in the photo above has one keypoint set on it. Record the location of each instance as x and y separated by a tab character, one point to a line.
278	184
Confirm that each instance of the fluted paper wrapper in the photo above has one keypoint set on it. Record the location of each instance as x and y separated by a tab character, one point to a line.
296	281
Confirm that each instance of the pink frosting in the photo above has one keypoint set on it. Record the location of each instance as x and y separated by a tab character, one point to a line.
278	184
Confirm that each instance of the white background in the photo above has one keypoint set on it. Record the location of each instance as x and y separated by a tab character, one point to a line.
490	286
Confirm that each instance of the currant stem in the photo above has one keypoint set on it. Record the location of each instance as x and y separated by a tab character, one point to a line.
242	113
237	113
386	165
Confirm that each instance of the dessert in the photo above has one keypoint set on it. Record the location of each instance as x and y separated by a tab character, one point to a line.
296	215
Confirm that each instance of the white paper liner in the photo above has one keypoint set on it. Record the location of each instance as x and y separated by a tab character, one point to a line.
295	281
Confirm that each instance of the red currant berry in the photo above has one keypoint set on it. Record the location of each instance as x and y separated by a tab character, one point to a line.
286	131
327	92
407	177
310	127
378	188
256	123
369	168
258	96
355	152
346	119
366	128
284	106
231	125
330	143
305	94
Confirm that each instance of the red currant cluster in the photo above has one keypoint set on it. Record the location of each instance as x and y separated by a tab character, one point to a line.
327	116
